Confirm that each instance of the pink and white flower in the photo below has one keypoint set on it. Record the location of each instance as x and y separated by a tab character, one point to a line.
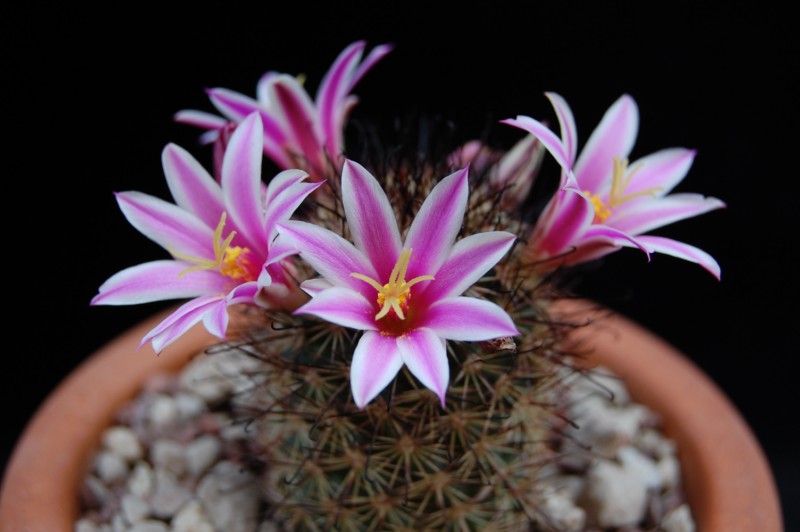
405	295
222	238
604	202
298	132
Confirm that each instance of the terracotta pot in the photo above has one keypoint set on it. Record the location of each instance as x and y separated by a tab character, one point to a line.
728	480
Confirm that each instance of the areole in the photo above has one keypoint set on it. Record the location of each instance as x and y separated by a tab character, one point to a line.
727	477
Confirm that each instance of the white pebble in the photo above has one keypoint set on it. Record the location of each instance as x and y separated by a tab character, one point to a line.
615	496
149	526
191	518
189	405
110	467
214	377
163	411
168	496
201	454
169	455
562	513
670	470
640	465
123	442
679	520
142	480
231	497
654	443
135	508
85	524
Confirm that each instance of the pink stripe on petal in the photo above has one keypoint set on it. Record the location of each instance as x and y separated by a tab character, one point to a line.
549	140
682	251
297	113
284	204
647	214
215	320
332	92
313	287
600	240
376	361
377	53
282	181
180	321
158	281
663	169
191	186
233	105
370	218
569	132
425	355
469	319
344	307
568	215
437	224
244	293
166	224
199	119
330	255
241	182
469	260
613	137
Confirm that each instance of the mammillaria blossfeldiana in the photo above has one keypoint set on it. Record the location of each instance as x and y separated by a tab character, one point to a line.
406	363
604	202
405	295
221	238
298	132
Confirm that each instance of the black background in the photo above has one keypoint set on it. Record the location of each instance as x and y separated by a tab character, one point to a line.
88	104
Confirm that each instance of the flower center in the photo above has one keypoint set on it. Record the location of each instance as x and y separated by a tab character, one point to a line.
395	294
620	179
230	261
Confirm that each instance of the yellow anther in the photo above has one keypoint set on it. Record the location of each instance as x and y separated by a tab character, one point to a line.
620	179
395	294
230	261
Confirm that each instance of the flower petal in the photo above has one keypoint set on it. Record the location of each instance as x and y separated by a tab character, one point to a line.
235	106
637	217
158	281
166	224
566	120
437	223
682	251
283	205
295	111
376	361
425	355
200	119
565	218
600	240
180	321
549	140
344	307
330	255
241	182
613	137
191	186
662	170
468	319
370	218
470	259
314	286
366	65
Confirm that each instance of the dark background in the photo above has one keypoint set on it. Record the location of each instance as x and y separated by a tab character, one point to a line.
88	104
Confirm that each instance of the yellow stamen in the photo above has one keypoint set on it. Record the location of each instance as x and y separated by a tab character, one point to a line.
230	261
620	179
395	294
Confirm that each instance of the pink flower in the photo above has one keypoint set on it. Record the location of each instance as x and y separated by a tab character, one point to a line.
298	133
221	237
604	202
404	295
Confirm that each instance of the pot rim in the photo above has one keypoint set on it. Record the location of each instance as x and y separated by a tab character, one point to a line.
728	480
